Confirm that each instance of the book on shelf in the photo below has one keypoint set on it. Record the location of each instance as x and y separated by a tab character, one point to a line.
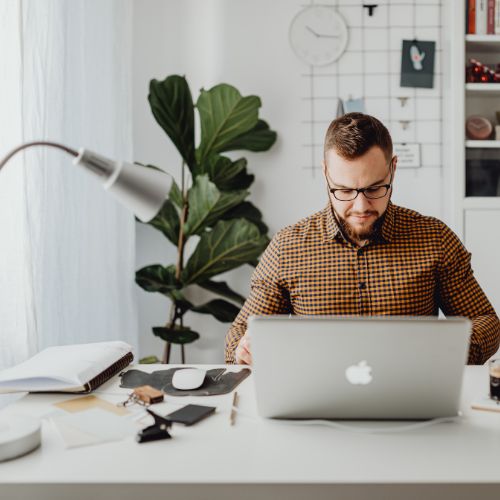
481	17
470	14
490	17
79	368
497	17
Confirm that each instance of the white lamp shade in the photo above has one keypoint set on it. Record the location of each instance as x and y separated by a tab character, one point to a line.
142	190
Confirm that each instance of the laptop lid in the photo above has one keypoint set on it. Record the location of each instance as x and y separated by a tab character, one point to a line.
358	367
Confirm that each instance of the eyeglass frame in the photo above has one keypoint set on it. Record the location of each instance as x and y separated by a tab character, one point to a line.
362	190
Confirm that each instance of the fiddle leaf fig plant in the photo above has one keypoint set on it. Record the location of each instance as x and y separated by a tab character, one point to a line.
210	204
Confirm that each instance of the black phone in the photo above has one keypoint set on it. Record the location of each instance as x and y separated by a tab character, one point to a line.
190	414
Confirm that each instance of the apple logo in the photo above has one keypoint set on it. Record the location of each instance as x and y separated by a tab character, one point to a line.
360	374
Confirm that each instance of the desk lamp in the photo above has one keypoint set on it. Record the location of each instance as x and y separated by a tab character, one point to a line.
142	190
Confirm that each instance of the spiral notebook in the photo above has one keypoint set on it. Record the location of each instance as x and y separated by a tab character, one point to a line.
79	368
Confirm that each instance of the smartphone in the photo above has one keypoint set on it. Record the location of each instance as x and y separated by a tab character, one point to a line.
190	414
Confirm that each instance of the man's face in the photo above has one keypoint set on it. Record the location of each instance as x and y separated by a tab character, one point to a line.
360	217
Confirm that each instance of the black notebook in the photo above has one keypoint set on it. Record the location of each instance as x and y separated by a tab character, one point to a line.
71	368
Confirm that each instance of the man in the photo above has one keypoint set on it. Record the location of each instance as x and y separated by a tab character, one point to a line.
362	255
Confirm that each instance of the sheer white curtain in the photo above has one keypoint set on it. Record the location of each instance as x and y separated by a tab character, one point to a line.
67	249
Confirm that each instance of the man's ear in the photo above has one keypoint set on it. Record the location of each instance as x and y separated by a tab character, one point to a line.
394	164
323	165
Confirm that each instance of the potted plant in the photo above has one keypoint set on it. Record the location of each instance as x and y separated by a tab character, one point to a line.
211	205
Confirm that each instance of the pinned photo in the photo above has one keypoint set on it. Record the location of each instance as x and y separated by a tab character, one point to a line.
417	64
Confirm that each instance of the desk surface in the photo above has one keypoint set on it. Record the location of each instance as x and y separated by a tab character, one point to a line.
262	457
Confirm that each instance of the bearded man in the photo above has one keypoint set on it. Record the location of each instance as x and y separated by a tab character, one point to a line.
364	256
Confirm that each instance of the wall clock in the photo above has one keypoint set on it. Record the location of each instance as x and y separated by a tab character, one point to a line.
318	35
478	128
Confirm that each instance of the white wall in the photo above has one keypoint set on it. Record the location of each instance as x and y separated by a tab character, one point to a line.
244	43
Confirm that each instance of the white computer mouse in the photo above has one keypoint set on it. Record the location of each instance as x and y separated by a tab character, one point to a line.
187	379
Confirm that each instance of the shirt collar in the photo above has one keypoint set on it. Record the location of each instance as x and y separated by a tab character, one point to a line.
333	229
332	226
388	224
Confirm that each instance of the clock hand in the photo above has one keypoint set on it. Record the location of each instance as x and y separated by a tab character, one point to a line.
312	31
318	35
327	36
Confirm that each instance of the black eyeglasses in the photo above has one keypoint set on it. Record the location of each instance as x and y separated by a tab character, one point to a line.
371	192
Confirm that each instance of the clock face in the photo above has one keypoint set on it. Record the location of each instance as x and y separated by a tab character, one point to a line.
478	128
318	35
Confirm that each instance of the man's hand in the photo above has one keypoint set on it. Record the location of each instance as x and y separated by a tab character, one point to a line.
242	354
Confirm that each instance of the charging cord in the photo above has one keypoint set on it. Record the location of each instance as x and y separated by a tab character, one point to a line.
363	430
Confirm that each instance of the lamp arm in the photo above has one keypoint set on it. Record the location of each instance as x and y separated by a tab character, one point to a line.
36	143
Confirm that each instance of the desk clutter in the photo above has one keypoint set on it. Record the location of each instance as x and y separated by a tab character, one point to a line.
144	412
217	381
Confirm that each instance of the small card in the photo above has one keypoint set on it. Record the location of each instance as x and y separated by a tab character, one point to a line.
417	64
88	402
408	154
93	426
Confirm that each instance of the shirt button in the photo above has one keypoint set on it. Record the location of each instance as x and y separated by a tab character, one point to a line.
362	285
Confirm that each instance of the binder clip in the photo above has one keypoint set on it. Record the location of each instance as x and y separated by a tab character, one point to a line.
144	395
155	432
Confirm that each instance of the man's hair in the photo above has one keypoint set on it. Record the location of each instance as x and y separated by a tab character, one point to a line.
353	134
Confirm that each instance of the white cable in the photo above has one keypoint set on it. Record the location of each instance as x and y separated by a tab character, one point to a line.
350	428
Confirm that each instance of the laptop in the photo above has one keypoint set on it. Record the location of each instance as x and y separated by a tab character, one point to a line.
334	367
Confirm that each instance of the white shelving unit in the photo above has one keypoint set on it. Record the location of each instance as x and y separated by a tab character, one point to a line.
487	89
482	144
476	218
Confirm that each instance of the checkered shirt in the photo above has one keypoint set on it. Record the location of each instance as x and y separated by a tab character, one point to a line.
415	266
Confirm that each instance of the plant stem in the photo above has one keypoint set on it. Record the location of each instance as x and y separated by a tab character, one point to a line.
174	316
182	236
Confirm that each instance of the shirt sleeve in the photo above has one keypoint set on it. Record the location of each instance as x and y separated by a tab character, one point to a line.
268	295
460	295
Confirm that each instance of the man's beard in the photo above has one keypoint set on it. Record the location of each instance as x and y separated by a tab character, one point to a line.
368	234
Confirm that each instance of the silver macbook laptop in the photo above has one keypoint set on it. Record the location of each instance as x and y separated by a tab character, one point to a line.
358	368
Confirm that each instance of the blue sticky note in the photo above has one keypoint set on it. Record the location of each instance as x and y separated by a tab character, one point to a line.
354	105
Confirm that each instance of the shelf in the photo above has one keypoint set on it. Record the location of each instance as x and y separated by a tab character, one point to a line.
482	203
482	144
485	89
482	43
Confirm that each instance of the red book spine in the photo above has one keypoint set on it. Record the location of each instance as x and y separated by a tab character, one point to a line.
490	26
472	17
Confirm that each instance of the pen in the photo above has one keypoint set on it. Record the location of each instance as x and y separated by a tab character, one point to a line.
232	416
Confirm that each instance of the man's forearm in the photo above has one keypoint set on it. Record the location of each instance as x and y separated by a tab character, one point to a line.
485	338
233	337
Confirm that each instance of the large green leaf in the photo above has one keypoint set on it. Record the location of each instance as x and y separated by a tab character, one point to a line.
176	335
226	202
226	174
227	246
248	211
260	138
172	107
202	198
222	288
220	309
157	278
167	221
224	116
207	204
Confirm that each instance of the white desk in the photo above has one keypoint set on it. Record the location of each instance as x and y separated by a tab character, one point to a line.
264	459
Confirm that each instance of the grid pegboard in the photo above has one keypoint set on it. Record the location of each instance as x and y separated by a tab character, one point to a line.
370	68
